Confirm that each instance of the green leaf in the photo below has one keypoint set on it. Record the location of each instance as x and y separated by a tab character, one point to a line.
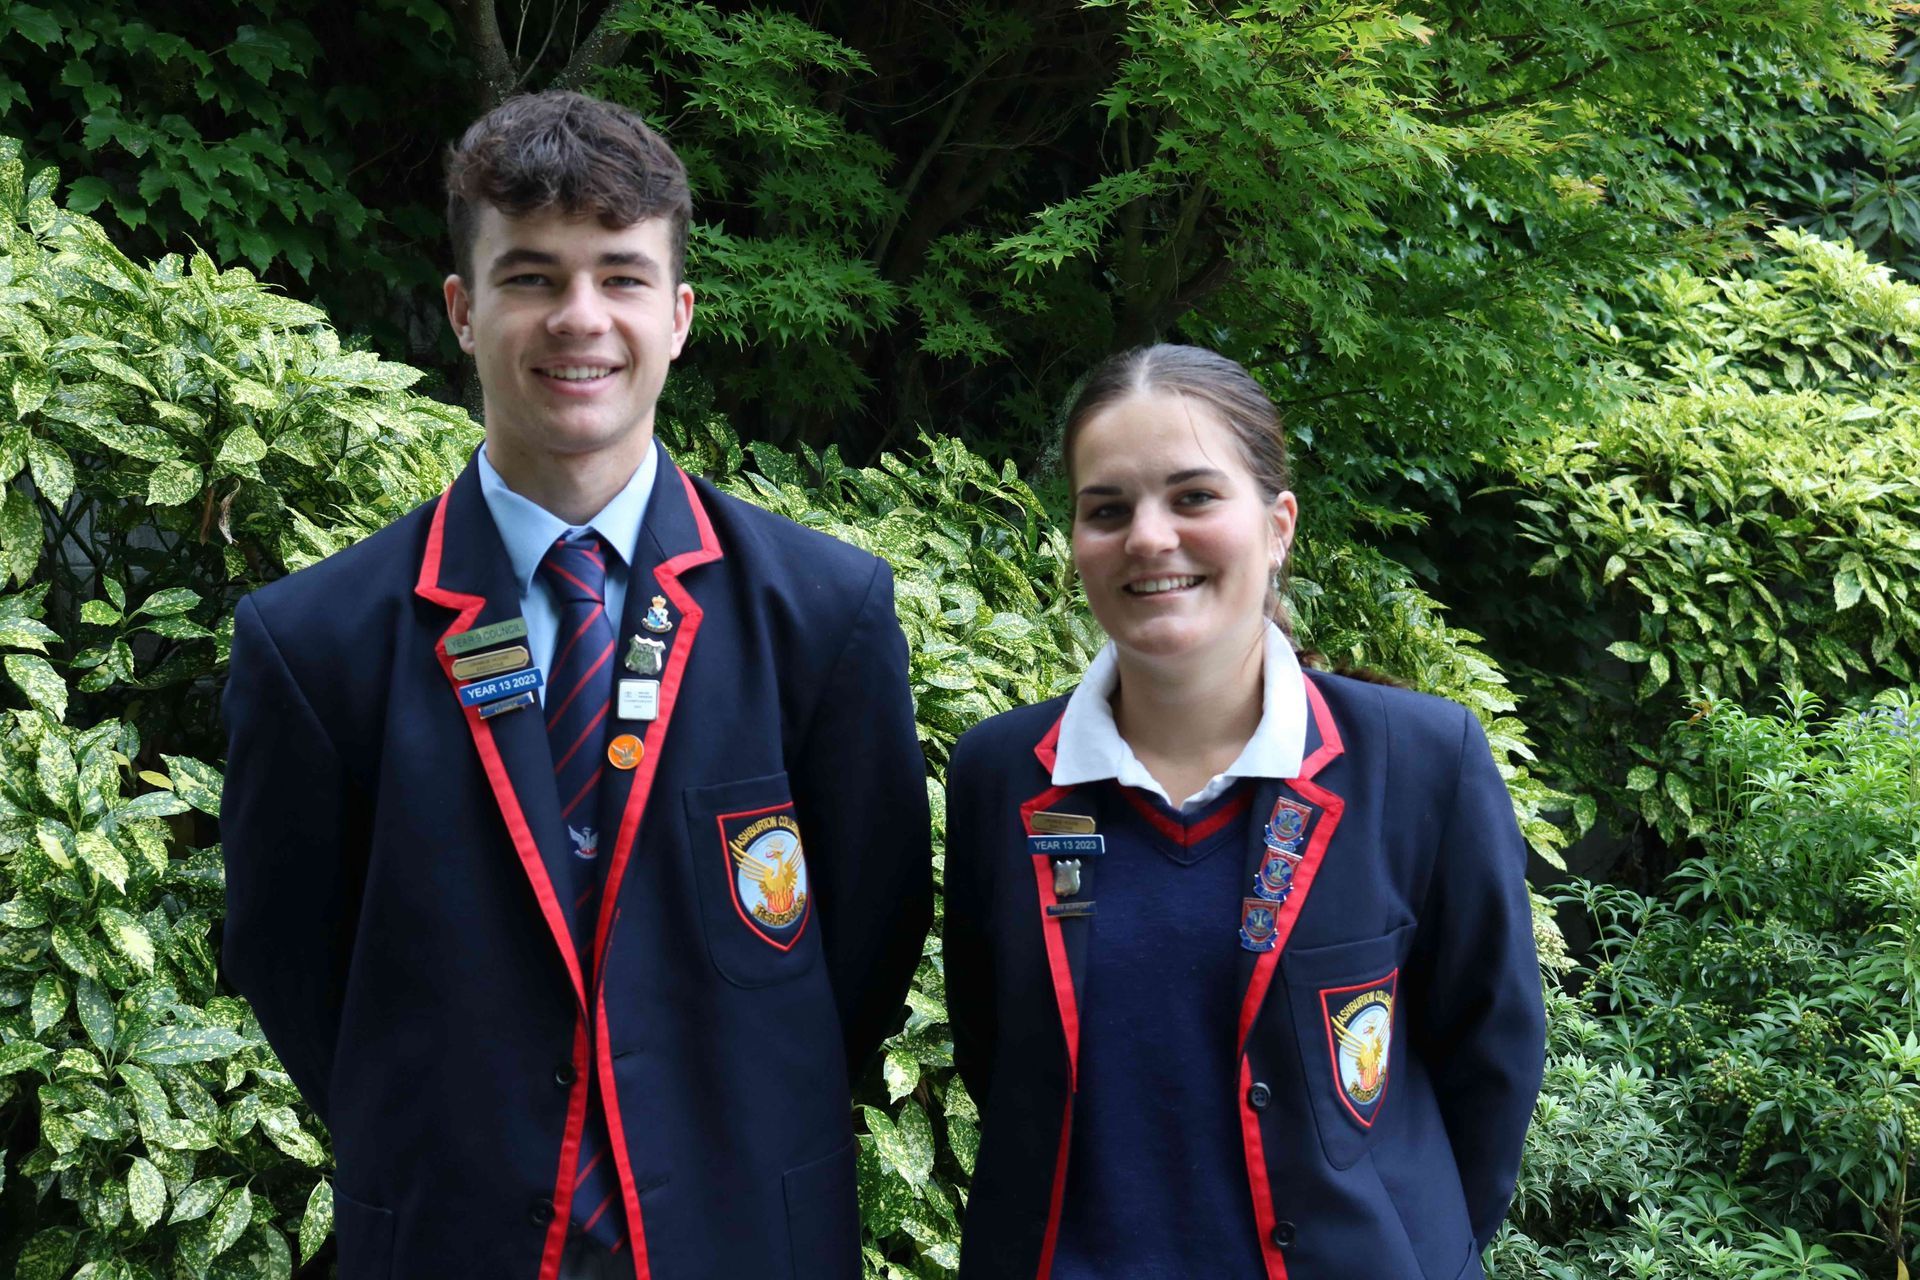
49	1001
96	1013
168	602
49	1254
99	613
283	1130
34	24
1847	590
43	686
230	1221
164	1046
316	1224
173	483
198	1200
1641	778
102	857
52	471
26	633
21	535
242	448
905	1148
198	784
23	1055
146	1192
128	936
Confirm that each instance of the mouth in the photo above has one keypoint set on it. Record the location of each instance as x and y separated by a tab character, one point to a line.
1162	586
577	377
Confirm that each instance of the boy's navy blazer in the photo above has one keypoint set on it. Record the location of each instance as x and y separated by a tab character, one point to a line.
1411	882
392	918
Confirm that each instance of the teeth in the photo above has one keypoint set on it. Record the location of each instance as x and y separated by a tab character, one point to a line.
578	372
1154	586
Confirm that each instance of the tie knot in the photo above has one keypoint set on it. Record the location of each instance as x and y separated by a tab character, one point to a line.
576	569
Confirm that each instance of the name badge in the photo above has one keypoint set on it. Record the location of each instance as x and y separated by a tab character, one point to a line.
1067	846
638	700
472	695
488	636
1045	823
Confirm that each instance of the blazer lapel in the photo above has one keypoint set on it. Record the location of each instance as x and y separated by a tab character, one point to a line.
676	536
1293	822
1065	918
465	569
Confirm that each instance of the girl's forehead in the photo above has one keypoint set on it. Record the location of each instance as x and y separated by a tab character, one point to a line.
1150	432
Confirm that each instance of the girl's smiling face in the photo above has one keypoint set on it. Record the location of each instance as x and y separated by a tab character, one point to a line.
1172	536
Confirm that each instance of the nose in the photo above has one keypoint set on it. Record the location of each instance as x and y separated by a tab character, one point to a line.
1150	532
579	311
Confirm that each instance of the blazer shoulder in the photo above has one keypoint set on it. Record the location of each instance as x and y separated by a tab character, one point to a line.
1425	729
1006	741
344	593
777	545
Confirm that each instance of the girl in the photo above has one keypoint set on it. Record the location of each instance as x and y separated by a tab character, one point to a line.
1239	959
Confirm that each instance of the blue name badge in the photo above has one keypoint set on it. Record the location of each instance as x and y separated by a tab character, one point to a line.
472	695
1067	846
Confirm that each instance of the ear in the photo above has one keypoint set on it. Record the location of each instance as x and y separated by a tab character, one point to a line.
682	316
459	310
1283	517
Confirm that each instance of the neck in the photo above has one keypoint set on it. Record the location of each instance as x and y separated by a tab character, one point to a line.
1188	722
574	486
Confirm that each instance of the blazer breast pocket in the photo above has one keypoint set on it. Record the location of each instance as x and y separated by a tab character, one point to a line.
1346	1020
750	863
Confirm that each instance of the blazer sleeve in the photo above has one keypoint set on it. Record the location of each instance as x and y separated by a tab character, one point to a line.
283	830
860	792
1479	1020
966	949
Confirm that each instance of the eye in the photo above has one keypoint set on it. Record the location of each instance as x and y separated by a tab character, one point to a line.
1103	512
1196	498
524	279
626	282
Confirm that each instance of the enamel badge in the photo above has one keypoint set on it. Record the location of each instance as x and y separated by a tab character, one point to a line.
657	620
1259	924
1360	1039
769	872
645	657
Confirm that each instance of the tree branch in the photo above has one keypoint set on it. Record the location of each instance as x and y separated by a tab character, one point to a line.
603	48
479	28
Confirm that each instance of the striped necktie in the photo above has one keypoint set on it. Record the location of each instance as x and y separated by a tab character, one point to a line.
579	684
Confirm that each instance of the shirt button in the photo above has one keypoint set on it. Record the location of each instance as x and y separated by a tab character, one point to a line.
540	1212
1282	1233
563	1075
1259	1096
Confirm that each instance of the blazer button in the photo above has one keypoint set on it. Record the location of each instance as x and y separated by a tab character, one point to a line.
1282	1233
1259	1096
563	1075
540	1212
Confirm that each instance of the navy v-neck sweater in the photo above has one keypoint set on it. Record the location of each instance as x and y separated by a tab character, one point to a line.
1156	1183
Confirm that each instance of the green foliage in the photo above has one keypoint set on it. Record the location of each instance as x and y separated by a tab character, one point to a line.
168	1141
257	130
171	437
1751	519
1741	1090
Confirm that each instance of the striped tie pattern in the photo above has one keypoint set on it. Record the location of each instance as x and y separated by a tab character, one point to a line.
579	685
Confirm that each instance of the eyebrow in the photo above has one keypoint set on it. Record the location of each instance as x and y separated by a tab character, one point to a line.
541	258
1175	478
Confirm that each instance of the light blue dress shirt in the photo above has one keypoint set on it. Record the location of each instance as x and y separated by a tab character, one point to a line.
528	529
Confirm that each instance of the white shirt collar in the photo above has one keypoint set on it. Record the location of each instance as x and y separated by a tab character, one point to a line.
1090	748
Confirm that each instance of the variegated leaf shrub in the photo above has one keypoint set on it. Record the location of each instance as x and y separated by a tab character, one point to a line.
1749	519
174	436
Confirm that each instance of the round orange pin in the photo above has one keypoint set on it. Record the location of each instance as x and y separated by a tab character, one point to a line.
624	752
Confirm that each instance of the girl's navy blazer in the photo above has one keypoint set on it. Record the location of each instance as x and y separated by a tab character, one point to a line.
1409	884
392	915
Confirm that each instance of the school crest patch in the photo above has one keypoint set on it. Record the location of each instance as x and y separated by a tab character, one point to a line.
1360	1041
1285	832
768	869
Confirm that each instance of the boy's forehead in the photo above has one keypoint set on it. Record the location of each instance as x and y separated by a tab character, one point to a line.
554	230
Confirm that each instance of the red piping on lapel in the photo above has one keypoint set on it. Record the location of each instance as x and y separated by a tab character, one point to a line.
617	1139
1257	1178
1331	807
1063	996
668	576
428	587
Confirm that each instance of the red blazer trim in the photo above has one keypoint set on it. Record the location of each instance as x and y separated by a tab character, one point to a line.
428	587
1064	1000
668	576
